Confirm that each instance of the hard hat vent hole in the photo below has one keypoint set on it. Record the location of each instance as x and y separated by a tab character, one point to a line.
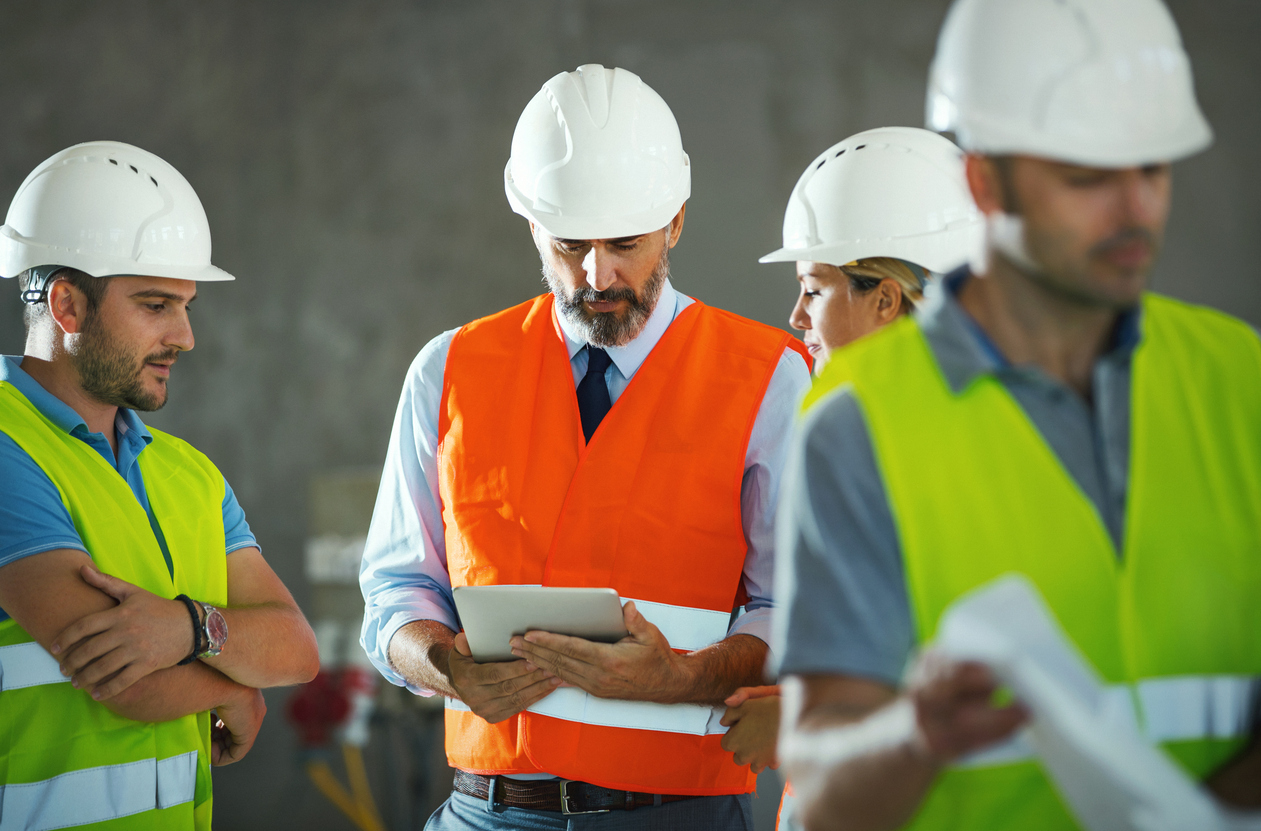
820	164
839	153
114	162
860	147
133	168
155	181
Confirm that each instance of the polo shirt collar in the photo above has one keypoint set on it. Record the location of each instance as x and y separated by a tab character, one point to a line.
964	351
629	356
127	424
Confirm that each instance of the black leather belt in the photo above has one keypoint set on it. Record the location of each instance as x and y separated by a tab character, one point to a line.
564	796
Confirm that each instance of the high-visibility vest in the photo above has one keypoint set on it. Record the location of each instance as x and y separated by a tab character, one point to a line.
1173	625
66	760
651	508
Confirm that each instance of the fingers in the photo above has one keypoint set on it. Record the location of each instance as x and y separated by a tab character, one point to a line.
86	651
955	711
496	703
120	590
738	697
573	659
218	749
120	682
733	715
103	667
84	627
529	696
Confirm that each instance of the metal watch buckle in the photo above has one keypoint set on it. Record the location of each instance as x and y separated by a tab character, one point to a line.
565	799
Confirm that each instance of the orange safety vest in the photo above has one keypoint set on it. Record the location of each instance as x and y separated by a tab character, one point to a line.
651	508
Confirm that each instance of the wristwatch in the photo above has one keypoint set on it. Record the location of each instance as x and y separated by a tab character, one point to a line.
215	630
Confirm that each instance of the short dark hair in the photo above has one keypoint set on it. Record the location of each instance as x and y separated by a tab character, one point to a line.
93	288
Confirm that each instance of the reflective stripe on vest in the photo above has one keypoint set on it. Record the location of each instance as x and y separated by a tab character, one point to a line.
1174	709
98	794
28	665
686	630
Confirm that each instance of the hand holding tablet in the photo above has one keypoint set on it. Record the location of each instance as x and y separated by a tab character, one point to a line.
492	615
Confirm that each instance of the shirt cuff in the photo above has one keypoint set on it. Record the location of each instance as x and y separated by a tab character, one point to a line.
755	622
239	543
379	631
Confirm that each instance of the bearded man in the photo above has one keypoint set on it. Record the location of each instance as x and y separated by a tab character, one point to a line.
610	433
134	599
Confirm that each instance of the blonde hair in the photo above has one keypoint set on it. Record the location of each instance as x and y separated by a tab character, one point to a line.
867	273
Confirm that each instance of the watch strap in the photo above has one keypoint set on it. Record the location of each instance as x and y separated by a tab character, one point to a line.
197	629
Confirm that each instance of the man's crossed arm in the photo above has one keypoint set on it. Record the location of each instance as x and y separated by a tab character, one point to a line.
121	643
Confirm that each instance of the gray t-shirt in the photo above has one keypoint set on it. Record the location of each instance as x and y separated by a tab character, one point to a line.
841	601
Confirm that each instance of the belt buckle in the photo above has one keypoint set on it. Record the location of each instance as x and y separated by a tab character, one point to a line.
565	799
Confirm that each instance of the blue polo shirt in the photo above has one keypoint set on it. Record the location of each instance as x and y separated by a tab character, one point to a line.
32	517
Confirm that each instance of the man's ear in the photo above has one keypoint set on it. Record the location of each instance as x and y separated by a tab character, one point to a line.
676	226
67	306
985	182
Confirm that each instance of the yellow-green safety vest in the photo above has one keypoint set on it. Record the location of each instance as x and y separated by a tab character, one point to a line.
1174	625
66	760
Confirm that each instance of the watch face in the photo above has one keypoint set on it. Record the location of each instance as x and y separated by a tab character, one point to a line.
216	628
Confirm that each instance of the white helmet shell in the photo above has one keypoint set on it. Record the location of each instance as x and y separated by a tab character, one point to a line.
108	208
597	155
1103	83
890	192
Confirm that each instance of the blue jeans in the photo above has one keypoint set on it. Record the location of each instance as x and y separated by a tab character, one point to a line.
705	813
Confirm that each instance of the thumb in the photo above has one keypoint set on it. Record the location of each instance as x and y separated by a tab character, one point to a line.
638	625
120	590
461	645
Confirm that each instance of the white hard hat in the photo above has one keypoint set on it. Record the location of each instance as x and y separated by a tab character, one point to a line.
1103	83
890	192
108	208
597	155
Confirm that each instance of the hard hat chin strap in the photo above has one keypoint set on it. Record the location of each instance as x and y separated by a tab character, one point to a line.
36	290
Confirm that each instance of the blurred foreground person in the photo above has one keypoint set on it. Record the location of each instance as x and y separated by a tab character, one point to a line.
609	433
134	597
1040	414
867	220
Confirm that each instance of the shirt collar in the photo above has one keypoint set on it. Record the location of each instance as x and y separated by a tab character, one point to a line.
128	425
628	357
964	351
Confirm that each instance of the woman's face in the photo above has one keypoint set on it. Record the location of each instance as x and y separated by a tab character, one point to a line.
832	313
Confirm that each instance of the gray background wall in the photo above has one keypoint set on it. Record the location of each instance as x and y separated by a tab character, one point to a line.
350	156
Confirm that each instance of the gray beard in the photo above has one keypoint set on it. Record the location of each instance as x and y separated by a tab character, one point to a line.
609	328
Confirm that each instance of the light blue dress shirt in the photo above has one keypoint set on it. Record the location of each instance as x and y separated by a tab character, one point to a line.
404	572
33	519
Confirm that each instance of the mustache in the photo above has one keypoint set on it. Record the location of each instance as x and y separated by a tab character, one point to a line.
168	356
1124	238
590	295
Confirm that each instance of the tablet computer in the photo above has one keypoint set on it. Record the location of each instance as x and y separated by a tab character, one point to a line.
491	615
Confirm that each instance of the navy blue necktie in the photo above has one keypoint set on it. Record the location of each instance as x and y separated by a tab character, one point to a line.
593	393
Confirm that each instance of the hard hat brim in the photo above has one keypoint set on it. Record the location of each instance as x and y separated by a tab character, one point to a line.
939	252
599	227
18	254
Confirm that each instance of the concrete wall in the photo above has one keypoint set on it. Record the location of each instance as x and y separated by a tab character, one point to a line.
350	158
